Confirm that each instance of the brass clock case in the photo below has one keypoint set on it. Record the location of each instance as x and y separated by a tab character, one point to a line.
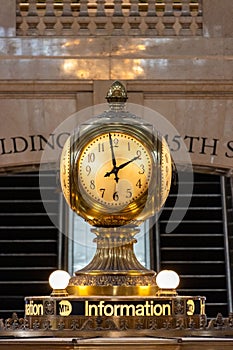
108	194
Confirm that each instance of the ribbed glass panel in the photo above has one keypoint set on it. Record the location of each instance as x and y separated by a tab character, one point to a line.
195	249
28	239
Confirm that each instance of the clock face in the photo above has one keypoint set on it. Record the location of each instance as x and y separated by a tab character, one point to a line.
114	169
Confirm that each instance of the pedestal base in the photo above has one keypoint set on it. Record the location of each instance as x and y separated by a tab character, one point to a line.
115	314
113	283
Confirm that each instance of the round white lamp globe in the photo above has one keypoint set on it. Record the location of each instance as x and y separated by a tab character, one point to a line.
167	279
59	279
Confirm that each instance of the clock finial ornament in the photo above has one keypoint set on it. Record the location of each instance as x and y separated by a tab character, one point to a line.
117	93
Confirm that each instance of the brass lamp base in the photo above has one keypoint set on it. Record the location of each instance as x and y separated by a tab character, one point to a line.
59	293
118	283
114	270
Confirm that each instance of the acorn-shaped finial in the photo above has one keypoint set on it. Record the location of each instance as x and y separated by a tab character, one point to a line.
117	93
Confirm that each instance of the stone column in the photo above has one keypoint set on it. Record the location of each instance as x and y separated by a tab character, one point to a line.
7	18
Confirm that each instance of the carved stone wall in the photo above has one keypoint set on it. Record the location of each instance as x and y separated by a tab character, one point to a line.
45	79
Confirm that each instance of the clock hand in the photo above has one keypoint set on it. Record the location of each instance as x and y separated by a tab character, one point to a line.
126	163
113	171
117	168
112	151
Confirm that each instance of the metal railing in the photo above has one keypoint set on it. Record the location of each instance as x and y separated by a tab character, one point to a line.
116	17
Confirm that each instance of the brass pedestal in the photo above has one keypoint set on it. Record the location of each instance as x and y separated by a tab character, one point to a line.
114	270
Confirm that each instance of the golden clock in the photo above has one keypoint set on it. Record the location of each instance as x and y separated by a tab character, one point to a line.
112	170
115	169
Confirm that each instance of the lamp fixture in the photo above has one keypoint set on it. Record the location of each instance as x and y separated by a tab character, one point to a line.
167	281
58	281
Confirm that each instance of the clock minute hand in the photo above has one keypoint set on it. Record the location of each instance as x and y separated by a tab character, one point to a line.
112	152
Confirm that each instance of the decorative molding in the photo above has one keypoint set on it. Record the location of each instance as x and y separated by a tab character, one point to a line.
120	18
179	89
151	89
28	89
146	326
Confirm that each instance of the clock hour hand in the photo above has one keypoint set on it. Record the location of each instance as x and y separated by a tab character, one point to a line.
113	171
117	168
126	163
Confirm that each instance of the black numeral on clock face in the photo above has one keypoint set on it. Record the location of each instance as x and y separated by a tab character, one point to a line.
129	193
102	190
142	170
91	157
101	147
92	185
139	153
88	169
139	183
115	142
115	196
